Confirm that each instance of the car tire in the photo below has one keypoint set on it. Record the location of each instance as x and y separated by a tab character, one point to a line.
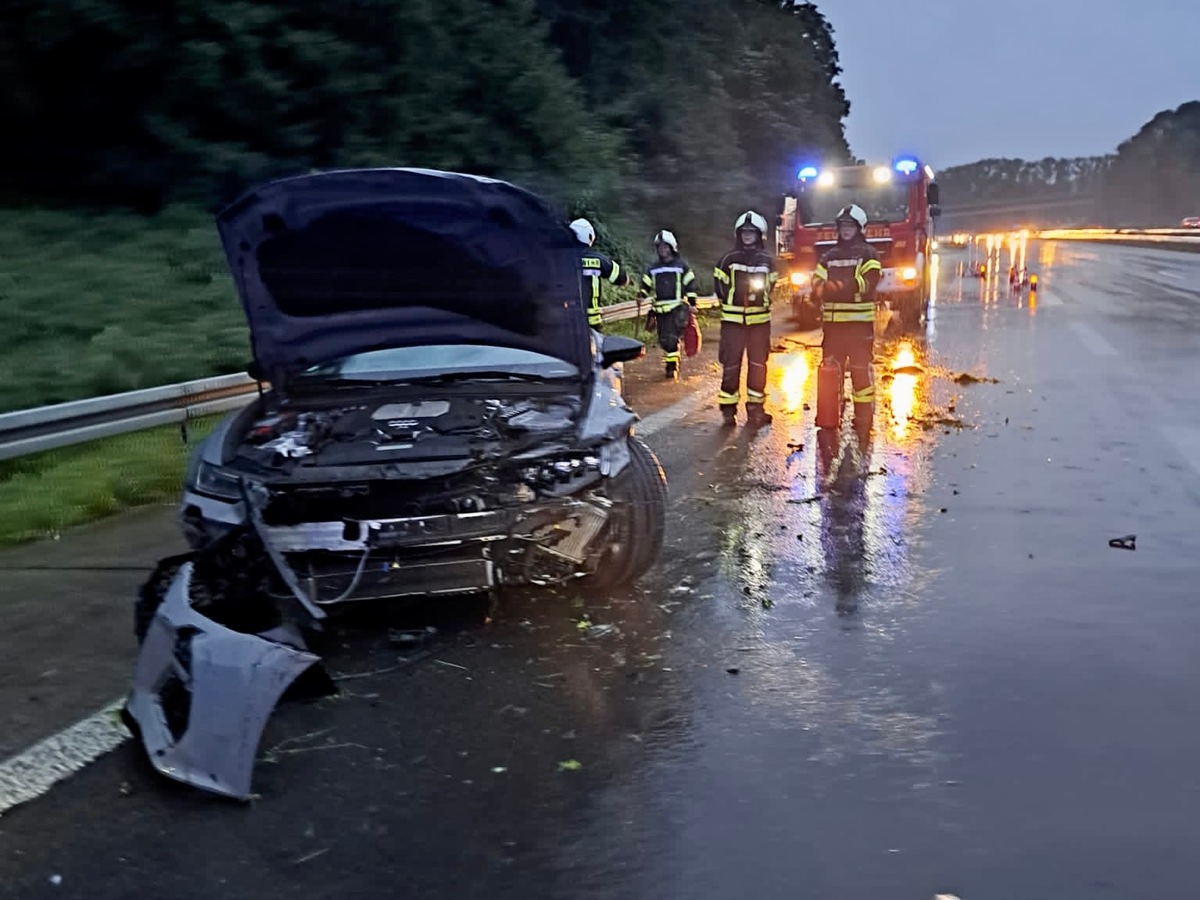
640	495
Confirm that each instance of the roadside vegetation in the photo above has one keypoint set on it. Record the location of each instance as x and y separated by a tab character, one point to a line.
43	494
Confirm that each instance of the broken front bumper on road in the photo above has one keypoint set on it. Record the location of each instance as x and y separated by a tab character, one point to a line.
202	692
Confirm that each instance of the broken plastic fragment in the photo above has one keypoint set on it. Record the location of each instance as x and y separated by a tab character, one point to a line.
569	765
1129	542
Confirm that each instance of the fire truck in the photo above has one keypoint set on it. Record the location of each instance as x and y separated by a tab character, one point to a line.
901	202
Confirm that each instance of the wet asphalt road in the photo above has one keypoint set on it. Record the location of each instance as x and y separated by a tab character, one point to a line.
920	671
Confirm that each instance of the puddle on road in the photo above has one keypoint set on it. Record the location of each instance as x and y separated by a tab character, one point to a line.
812	536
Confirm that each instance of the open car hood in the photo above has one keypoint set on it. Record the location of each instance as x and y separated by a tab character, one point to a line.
342	262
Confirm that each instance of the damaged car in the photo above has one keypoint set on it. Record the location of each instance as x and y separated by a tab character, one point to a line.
436	418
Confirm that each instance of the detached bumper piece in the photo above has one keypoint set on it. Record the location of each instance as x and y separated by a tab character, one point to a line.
202	693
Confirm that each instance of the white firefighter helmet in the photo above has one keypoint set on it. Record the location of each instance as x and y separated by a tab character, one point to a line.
584	231
751	219
854	212
666	237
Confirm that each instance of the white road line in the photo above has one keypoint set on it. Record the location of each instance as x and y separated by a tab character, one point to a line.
1174	275
32	773
664	417
1093	340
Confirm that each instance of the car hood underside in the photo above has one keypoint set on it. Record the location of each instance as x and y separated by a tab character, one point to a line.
337	263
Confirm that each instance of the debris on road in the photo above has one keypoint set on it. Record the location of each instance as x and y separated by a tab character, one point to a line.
733	670
402	637
1129	542
598	631
968	378
570	765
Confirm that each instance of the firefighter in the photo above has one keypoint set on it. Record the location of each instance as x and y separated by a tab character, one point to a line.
668	282
744	278
844	283
596	267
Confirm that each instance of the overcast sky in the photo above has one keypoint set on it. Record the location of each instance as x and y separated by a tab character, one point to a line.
954	81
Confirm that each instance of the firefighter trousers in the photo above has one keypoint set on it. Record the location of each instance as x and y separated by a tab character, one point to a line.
670	332
855	342
754	343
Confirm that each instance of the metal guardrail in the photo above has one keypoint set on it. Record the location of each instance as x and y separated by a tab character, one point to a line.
29	431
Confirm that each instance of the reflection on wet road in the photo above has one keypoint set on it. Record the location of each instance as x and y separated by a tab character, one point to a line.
886	662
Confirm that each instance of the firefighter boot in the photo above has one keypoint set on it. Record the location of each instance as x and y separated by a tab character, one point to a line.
729	415
757	417
672	370
829	394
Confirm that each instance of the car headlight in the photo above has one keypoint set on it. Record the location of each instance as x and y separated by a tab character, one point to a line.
214	481
757	283
799	279
909	274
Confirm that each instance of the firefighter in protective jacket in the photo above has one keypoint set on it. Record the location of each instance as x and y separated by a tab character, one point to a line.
844	282
744	278
596	267
669	282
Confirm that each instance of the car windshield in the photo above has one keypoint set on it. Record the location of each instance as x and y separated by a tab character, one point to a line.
882	202
408	363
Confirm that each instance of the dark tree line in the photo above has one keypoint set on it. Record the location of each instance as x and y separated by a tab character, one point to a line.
1155	177
1009	180
659	113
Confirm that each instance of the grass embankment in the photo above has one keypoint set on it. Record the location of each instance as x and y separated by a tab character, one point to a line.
42	494
93	305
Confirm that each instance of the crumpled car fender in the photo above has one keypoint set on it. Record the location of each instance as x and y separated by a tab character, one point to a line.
607	418
232	680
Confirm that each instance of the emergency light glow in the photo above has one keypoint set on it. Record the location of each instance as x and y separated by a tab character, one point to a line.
906	166
807	172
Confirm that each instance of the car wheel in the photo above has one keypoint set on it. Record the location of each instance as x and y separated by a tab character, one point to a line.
639	523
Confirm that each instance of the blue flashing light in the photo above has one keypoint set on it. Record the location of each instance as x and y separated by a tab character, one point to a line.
906	166
807	172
